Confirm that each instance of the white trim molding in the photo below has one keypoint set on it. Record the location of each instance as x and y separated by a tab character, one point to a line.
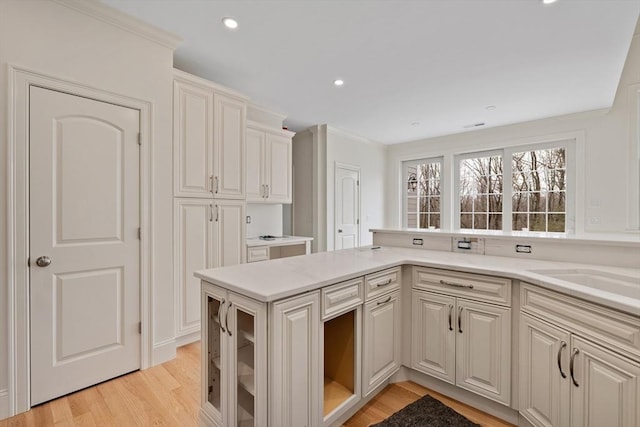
4	404
164	351
633	183
17	224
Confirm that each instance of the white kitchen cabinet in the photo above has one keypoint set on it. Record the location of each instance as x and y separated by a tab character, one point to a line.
208	233
580	365
269	164
466	342
234	359
296	378
209	139
381	355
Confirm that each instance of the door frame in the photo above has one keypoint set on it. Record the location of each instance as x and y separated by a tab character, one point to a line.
20	79
353	168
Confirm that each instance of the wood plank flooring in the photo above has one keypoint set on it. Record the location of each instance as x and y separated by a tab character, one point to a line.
169	395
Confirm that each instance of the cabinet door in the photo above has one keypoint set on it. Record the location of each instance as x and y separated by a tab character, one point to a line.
229	216
544	373
215	360
483	349
608	390
279	168
193	251
193	140
381	340
229	145
247	331
255	165
433	335
296	378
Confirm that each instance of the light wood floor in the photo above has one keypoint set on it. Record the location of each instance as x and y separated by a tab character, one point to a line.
169	395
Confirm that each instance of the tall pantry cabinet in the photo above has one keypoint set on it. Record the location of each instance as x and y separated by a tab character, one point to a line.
209	123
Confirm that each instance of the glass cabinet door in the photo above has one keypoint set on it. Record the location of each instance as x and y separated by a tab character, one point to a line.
245	329
215	329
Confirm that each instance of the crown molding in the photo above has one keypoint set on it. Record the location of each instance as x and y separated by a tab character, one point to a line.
111	16
339	132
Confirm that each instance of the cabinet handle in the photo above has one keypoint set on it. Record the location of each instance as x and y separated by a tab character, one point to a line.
210	213
226	318
460	319
450	313
211	184
216	184
266	191
562	346
220	318
385	301
217	213
457	285
388	282
573	356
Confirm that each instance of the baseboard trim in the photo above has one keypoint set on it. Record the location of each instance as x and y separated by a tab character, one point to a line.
187	338
163	351
4	404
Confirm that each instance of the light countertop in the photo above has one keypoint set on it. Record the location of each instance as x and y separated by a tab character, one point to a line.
280	278
278	241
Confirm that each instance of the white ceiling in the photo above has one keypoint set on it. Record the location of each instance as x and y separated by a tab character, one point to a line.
435	62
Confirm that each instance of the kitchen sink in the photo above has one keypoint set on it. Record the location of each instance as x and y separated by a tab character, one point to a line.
627	286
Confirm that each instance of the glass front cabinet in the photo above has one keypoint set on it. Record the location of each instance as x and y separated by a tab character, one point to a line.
234	362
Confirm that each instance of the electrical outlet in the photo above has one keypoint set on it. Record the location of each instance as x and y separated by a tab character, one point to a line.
248	219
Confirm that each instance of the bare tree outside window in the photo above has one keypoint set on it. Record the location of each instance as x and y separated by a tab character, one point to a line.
539	190
481	193
423	194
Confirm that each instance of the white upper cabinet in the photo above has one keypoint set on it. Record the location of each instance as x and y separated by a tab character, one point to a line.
209	139
269	164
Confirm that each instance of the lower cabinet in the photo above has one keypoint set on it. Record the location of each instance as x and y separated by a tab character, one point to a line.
381	354
234	359
567	376
208	233
463	342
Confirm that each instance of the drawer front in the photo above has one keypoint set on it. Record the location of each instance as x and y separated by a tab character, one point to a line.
260	253
382	282
341	296
618	330
495	290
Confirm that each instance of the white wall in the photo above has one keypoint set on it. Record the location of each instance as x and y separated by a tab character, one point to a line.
370	157
265	219
53	39
609	189
303	200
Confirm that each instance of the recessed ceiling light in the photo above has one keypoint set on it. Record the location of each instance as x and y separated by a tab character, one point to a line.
338	82
548	1
490	107
230	23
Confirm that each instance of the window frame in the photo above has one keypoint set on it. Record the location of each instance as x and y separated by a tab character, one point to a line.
404	173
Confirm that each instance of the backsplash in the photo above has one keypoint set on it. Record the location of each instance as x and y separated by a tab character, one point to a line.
265	219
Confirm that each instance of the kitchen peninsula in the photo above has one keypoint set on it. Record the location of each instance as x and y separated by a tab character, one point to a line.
306	341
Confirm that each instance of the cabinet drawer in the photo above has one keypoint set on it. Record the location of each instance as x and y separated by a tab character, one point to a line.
341	296
259	253
475	286
381	282
620	331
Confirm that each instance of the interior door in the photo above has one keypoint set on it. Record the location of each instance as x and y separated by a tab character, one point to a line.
84	246
347	207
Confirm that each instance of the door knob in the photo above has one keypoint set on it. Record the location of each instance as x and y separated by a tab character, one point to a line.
43	261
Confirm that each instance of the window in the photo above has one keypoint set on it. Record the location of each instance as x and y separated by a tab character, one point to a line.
423	193
481	192
539	190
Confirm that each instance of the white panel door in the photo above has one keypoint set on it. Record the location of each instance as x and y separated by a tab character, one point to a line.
84	217
347	207
483	349
433	341
229	232
544	373
193	140
229	146
381	340
606	391
193	252
255	165
295	382
279	168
